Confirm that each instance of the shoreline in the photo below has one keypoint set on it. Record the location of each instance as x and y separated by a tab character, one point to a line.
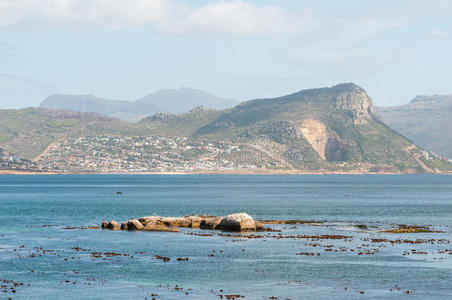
223	172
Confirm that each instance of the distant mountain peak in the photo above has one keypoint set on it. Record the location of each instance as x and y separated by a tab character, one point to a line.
348	97
431	99
348	86
183	99
69	96
173	101
426	120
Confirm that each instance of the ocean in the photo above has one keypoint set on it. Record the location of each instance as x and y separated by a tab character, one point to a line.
47	252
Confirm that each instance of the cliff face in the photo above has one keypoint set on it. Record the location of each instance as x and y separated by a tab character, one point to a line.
327	145
316	134
356	102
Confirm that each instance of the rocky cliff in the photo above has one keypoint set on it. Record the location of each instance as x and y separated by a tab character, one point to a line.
354	100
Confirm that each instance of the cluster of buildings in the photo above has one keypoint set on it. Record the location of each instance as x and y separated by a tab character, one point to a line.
10	161
110	154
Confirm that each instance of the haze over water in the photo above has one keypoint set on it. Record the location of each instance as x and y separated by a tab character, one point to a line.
256	268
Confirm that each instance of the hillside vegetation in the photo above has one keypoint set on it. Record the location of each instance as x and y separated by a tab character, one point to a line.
323	130
28	132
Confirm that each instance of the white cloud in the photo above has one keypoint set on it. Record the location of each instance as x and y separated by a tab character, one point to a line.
235	17
344	42
241	18
110	14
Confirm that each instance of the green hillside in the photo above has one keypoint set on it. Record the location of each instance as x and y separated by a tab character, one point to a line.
28	132
180	125
323	130
328	128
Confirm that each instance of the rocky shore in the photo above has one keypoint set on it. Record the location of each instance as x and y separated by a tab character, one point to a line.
233	222
237	222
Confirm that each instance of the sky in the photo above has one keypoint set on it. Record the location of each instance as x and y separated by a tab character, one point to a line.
239	49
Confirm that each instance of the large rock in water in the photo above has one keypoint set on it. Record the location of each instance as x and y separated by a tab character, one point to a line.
104	225
113	225
134	224
210	223
237	222
234	222
124	226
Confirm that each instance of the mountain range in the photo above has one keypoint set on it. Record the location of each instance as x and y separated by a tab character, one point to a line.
426	120
166	100
332	129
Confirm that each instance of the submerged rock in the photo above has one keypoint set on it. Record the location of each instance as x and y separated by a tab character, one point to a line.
409	229
237	222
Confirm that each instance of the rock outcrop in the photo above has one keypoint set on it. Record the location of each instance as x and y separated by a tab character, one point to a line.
355	101
134	224
124	226
316	134
233	222
210	223
326	144
112	225
336	150
160	227
187	221
237	222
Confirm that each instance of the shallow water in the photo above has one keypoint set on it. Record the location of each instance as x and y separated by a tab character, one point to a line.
256	268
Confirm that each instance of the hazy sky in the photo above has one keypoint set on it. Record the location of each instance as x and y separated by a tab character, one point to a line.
242	49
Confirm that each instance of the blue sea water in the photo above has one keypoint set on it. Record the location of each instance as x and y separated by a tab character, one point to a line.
51	262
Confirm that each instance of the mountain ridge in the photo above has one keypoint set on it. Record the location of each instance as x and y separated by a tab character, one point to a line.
335	129
425	120
166	100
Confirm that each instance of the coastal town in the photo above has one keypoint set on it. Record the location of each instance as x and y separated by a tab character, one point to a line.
155	154
9	161
109	154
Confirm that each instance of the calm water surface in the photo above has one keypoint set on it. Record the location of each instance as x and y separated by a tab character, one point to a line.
57	263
